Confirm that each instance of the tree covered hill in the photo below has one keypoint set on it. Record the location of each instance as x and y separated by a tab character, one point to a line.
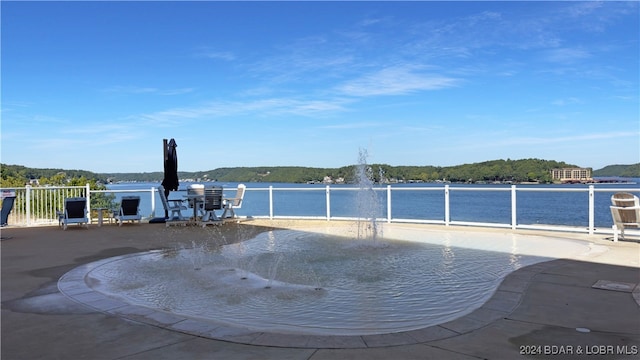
619	170
496	170
489	171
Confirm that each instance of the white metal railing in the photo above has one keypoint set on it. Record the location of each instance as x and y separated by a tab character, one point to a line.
447	189
35	206
38	205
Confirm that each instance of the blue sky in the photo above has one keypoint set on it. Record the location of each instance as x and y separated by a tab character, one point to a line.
98	85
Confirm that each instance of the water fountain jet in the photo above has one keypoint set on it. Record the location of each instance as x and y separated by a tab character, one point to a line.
367	202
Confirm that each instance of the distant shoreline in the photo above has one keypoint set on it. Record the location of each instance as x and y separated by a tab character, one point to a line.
608	180
506	172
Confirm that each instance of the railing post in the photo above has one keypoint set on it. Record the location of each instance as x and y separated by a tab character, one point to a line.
514	212
28	204
388	203
153	202
447	216
88	192
592	216
270	202
328	203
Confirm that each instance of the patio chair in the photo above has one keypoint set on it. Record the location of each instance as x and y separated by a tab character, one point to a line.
625	211
75	212
174	206
8	198
212	202
128	210
195	194
231	204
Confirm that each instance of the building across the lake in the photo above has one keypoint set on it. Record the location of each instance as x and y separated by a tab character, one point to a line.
572	175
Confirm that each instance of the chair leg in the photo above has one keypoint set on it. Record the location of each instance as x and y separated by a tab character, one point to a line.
175	215
615	233
228	213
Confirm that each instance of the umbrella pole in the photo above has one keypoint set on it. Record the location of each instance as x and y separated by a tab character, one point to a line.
165	156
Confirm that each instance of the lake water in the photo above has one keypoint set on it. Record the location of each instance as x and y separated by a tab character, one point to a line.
569	206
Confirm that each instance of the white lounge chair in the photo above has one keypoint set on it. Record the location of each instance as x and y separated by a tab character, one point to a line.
231	204
74	212
625	211
173	207
128	211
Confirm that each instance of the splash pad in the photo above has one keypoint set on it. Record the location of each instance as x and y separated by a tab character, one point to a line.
318	282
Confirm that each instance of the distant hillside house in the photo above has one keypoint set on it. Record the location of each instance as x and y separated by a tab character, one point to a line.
572	175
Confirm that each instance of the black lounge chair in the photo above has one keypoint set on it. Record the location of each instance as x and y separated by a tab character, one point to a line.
128	210
75	212
7	206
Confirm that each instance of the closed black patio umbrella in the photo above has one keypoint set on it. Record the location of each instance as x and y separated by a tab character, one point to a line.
170	181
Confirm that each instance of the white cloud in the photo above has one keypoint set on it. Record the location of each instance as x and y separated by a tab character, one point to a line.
398	80
581	138
566	55
176	91
209	52
581	9
354	125
128	89
302	62
257	108
566	101
219	55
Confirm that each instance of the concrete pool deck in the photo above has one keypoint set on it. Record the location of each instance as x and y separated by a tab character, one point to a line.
540	311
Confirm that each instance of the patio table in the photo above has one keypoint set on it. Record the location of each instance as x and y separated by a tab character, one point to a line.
101	215
195	199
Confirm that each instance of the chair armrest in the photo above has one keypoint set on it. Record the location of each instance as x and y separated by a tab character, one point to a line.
624	207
